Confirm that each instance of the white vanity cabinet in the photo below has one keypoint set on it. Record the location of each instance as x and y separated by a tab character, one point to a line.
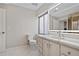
40	44
40	40
68	51
50	48
54	49
45	47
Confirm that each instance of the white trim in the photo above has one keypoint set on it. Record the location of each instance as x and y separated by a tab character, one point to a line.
64	30
42	13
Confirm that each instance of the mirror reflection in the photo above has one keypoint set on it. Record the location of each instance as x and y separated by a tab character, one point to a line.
64	17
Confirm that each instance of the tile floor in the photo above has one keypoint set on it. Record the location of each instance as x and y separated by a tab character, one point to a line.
28	50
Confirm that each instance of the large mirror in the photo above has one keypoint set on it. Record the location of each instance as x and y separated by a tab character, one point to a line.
64	17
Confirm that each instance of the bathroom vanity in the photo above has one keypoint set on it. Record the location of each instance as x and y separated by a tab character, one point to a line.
63	37
62	44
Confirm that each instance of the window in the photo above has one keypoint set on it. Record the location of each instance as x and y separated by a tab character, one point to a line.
43	24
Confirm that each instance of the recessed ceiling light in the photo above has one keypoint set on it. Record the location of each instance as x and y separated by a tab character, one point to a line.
56	9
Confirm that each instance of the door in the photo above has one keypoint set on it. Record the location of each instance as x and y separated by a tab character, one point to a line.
2	30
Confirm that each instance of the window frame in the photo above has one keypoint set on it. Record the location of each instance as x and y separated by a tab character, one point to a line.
43	22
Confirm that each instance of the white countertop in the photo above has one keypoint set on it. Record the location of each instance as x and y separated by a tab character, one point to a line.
50	37
67	41
70	44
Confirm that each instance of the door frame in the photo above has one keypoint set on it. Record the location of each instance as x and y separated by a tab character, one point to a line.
4	28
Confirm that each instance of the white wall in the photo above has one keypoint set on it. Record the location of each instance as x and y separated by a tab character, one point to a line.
20	21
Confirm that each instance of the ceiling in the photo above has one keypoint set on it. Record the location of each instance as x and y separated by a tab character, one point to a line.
32	6
65	9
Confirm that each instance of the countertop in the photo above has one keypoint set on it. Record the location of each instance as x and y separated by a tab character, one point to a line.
63	41
50	37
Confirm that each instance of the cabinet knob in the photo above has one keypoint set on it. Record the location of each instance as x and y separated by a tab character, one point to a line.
3	32
69	53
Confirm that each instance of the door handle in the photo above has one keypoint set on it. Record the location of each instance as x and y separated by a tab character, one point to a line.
3	32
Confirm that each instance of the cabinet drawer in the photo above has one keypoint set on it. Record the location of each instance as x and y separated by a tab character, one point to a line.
68	51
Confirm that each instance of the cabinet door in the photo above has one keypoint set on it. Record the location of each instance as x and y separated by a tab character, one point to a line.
45	47
40	50
39	43
67	51
54	49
